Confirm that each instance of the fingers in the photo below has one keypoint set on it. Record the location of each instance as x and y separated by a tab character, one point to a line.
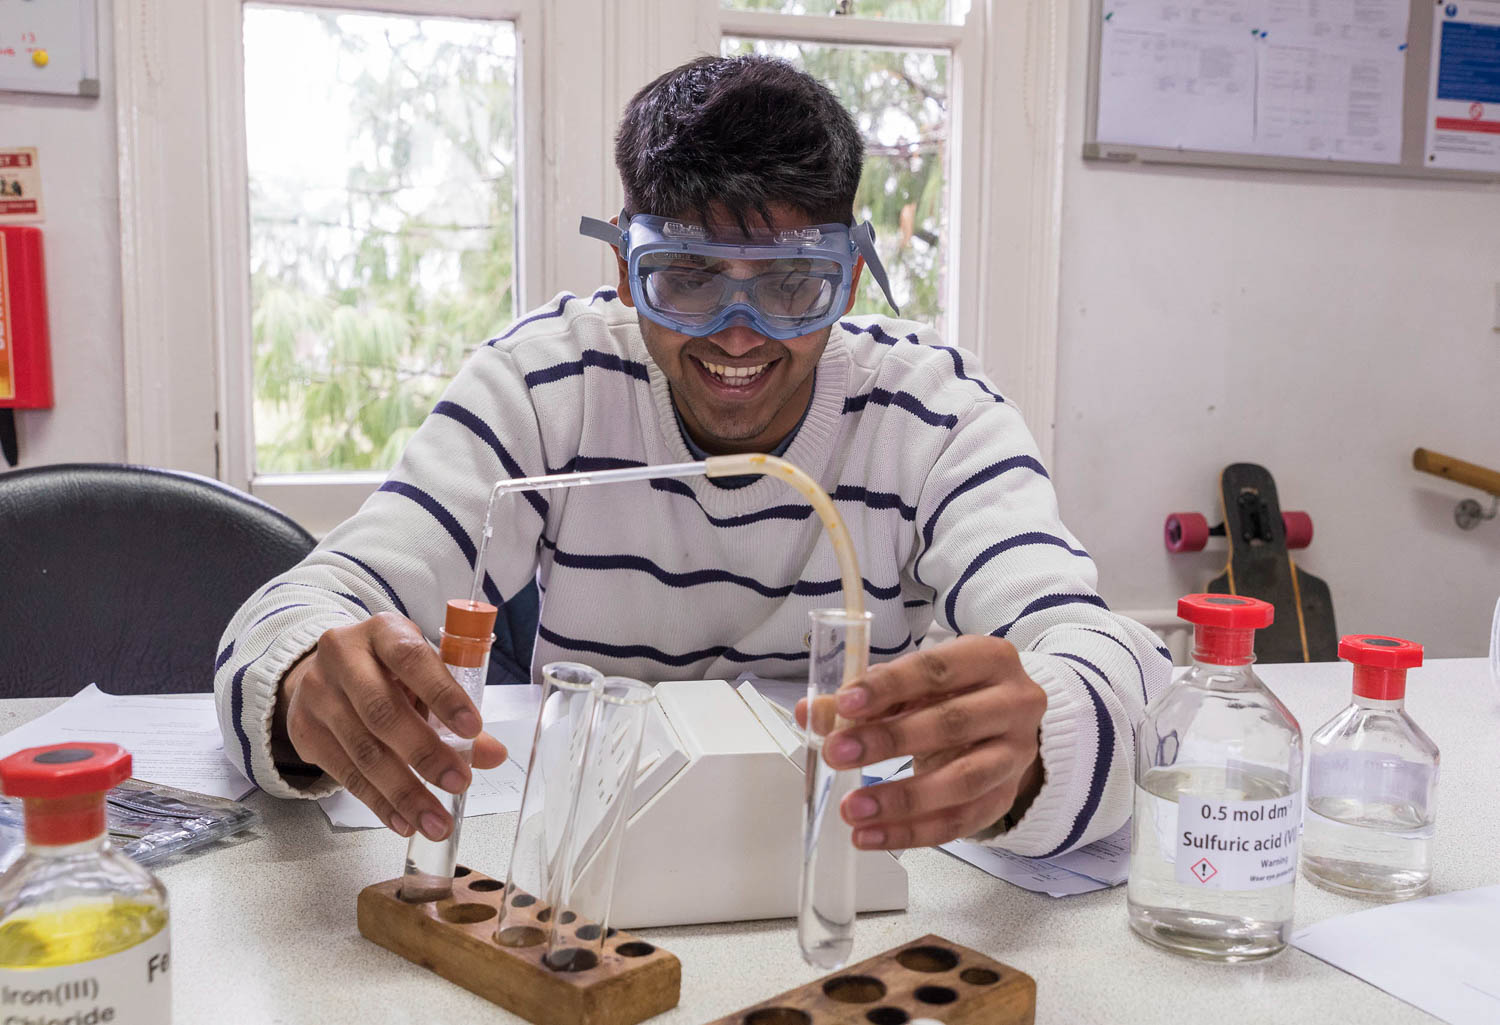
949	668
959	722
955	800
399	645
488	752
384	708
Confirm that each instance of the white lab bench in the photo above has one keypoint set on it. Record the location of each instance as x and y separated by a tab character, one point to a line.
264	931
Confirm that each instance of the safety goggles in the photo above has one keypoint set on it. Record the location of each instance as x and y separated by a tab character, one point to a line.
790	283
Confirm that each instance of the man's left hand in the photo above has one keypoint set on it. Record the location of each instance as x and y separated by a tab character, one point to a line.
968	714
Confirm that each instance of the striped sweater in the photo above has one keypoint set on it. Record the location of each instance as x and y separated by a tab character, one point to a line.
953	517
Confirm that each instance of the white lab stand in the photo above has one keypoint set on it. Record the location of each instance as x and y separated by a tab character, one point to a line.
715	826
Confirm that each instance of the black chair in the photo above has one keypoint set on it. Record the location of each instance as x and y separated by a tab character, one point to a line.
126	576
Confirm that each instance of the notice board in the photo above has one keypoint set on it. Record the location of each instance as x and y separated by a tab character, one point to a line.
1387	87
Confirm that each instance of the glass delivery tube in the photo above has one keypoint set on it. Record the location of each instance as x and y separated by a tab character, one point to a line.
583	889
465	649
570	693
825	919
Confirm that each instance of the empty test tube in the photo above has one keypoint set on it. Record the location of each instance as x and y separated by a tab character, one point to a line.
570	693
825	918
583	888
465	650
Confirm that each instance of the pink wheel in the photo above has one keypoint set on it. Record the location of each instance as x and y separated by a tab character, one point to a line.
1299	529
1186	532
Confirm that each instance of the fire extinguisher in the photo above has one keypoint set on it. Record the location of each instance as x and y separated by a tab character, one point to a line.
25	365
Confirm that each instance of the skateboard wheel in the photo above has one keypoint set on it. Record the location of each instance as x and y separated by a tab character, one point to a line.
1299	529
1186	532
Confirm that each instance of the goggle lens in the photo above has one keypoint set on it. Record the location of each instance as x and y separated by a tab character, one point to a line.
699	289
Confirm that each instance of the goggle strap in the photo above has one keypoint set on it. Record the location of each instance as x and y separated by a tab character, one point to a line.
864	241
593	227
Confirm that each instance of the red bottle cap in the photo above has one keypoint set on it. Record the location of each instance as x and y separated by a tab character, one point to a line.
1380	664
63	787
468	633
1226	625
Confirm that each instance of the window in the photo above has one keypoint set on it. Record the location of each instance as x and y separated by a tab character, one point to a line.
899	10
381	153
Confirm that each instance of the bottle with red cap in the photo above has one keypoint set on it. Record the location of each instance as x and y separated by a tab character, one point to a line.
465	650
1213	859
84	933
1372	778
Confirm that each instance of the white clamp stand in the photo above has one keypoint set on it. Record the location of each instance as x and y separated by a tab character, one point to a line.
715	826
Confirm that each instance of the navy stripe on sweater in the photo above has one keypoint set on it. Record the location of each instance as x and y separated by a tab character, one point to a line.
449	523
317	587
223	657
237	712
646	651
1050	601
380	580
792	512
1146	697
1034	537
900	400
696	577
588	358
268	615
482	431
607	294
1102	755
875	332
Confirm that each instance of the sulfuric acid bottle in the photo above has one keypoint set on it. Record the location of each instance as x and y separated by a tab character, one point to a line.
1218	760
83	929
1372	782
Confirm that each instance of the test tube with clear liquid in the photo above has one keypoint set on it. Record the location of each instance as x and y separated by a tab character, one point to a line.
825	922
465	650
582	891
570	694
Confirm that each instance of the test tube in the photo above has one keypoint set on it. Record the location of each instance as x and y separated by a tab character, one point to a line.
570	692
583	890
465	650
840	644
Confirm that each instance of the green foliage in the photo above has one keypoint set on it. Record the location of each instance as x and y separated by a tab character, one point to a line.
900	101
367	296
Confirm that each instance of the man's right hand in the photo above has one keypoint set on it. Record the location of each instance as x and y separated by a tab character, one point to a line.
354	707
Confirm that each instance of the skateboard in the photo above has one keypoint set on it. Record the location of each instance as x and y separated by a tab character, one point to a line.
1260	536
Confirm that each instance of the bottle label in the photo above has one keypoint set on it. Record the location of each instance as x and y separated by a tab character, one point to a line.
133	987
1371	776
1237	845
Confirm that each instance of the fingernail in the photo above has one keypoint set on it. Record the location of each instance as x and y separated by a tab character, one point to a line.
452	781
400	825
853	699
862	807
845	749
433	827
467	724
869	838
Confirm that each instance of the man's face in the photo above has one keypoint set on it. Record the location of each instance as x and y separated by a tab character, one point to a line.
737	390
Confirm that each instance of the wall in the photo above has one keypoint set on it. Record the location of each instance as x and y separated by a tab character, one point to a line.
1321	325
75	138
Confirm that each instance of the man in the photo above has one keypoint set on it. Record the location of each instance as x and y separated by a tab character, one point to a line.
728	332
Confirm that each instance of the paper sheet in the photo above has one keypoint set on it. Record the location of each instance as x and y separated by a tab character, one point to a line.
172	738
1440	954
1184	89
1330	104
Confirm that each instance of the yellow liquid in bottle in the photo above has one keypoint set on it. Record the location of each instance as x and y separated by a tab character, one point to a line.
50	936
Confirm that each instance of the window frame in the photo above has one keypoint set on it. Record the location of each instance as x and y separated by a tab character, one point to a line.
184	198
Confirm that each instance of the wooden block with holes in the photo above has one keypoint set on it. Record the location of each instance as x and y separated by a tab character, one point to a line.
927	978
631	980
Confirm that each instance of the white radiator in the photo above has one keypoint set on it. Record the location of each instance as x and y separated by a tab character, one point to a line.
1177	634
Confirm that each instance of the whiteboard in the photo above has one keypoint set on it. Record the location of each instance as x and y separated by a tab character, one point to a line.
64	31
1338	86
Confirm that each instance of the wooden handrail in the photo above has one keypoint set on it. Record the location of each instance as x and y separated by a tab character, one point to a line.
1457	470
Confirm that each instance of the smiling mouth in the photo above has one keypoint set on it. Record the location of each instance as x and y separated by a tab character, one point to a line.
735	377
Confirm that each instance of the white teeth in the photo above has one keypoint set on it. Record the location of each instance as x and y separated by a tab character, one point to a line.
735	375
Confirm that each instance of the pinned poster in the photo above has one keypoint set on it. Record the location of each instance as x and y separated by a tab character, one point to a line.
1463	101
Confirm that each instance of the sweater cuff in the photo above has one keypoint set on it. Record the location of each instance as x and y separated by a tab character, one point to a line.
1067	763
261	686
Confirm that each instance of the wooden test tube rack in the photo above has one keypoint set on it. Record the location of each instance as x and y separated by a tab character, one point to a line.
454	937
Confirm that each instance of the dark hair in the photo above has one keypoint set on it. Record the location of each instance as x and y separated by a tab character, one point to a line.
743	133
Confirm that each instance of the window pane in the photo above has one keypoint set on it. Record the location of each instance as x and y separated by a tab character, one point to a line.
896	10
382	155
900	101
